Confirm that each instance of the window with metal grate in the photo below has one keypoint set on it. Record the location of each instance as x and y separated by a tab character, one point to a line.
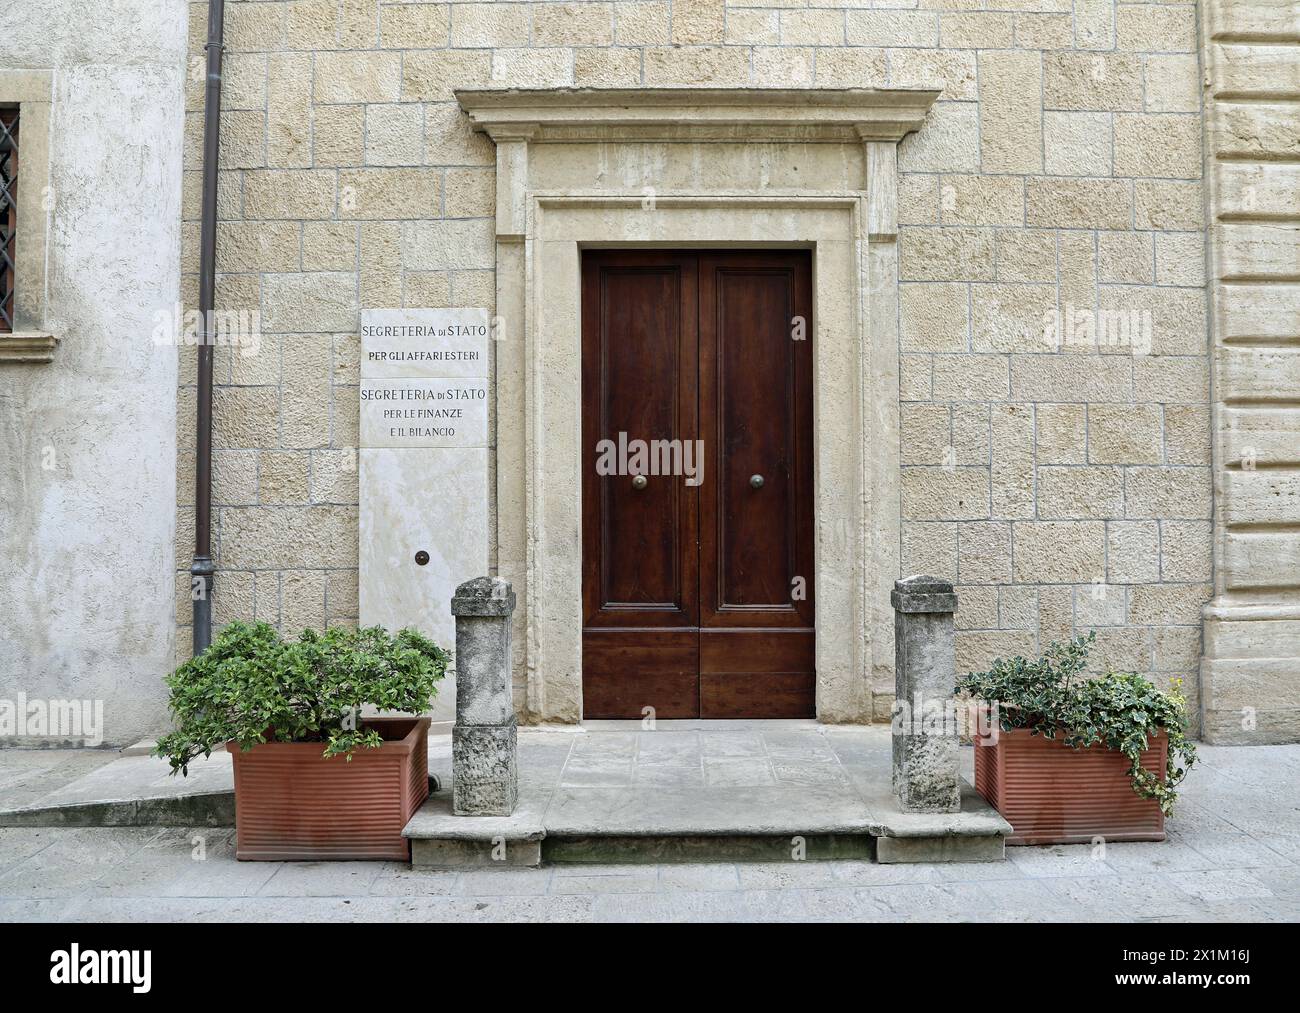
8	214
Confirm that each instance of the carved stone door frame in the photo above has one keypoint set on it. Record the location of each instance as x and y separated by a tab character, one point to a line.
852	233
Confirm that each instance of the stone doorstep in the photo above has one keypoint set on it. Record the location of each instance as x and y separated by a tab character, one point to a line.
532	848
869	826
563	819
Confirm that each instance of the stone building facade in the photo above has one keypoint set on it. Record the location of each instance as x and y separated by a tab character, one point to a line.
1076	289
1061	164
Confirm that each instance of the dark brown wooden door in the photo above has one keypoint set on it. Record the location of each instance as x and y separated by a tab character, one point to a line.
697	548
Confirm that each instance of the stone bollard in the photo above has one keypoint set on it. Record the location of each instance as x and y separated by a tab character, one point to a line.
925	741
484	741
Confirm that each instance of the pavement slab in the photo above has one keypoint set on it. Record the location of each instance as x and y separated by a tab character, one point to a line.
1217	865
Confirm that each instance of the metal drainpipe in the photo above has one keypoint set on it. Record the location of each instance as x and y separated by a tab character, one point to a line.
202	572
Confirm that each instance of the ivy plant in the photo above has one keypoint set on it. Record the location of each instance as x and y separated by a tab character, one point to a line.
1053	696
252	686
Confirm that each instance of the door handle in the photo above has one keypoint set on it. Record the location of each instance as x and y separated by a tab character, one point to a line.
639	482
756	481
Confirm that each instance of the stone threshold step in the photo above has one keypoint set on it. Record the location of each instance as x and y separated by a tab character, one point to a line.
618	849
692	823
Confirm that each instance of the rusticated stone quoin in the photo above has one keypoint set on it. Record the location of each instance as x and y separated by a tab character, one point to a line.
484	742
925	771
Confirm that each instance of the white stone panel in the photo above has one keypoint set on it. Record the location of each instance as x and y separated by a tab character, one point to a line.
423	482
412	501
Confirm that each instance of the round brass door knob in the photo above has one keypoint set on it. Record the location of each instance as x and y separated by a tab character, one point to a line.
639	482
756	481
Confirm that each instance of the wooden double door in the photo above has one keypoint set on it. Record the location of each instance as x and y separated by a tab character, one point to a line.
697	506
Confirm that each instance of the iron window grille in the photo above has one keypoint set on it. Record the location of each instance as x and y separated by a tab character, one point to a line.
8	214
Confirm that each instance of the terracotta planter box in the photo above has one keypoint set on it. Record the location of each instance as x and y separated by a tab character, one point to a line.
293	803
1052	794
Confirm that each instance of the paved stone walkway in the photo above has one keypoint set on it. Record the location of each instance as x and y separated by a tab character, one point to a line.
1233	855
29	776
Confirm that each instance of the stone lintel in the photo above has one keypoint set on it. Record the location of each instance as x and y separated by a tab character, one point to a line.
26	85
808	115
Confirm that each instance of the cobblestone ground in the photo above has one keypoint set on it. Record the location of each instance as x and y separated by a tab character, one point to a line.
1233	854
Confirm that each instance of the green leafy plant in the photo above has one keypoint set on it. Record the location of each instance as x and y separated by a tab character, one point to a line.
1053	696
252	686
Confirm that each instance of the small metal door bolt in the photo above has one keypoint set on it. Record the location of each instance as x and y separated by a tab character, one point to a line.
639	482
756	481
421	558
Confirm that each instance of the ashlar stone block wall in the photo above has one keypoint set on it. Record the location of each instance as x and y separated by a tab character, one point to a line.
1062	487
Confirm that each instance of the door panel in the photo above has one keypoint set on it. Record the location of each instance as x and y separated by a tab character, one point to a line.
697	599
758	418
639	364
624	671
756	565
756	695
739	649
640	355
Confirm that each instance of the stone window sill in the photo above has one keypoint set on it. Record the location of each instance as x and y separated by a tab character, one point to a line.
27	346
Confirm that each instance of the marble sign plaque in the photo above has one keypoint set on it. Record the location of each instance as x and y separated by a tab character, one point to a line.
434	412
418	343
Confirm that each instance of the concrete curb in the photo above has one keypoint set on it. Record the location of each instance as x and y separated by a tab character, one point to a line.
207	809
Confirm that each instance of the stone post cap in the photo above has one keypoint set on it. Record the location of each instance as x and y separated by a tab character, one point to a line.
483	596
921	593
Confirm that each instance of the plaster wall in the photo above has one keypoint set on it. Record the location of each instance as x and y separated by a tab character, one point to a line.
88	440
